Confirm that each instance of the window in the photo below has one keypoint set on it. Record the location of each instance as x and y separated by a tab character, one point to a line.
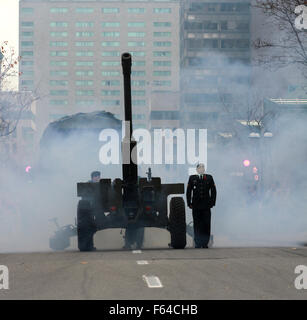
58	102
209	25
85	92
84	73
110	10
140	63
162	53
59	92
164	115
84	44
84	63
27	53
110	34
84	34
84	24
84	10
235	7
138	92
162	63
136	24
58	10
110	63
58	82
58	34
137	53
27	43
110	24
162	83
27	10
110	73
59	24
28	73
137	34
199	98
109	83
136	44
27	34
27	63
205	43
27	82
138	83
162	10
139	103
162	24
58	73
162	73
188	25
58	53
110	44
138	73
136	10
162	34
27	23
110	103
204	7
84	53
110	53
162	43
228	43
224	25
58	44
85	102
138	116
110	92
84	83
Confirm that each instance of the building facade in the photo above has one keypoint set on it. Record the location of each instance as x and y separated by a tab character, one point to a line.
215	58
71	53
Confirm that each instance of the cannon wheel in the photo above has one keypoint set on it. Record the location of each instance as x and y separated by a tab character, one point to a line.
177	224
58	243
85	226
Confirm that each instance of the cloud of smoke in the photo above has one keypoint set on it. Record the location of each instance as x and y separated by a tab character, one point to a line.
273	216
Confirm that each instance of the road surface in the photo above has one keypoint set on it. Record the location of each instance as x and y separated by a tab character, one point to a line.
217	273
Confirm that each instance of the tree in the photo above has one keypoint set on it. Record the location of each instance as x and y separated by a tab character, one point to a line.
287	45
13	104
244	110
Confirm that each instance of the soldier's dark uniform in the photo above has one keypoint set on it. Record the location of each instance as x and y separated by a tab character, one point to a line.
201	195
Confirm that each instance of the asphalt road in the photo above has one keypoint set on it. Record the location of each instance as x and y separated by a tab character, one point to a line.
217	273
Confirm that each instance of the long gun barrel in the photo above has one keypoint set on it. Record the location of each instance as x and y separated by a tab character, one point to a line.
129	144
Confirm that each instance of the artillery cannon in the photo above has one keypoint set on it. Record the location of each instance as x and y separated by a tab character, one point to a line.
132	203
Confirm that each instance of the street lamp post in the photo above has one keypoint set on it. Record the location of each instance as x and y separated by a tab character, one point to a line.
261	137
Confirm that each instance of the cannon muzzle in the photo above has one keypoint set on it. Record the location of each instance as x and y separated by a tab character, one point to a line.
126	63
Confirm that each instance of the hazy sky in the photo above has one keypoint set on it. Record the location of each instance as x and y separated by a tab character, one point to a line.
9	22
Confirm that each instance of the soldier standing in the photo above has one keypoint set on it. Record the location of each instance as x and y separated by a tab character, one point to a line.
201	197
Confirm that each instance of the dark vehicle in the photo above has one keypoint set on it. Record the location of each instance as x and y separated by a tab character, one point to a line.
131	202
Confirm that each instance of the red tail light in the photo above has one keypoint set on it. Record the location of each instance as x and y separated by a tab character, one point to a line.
113	208
147	208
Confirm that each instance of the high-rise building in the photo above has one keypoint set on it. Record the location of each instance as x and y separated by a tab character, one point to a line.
215	58
71	53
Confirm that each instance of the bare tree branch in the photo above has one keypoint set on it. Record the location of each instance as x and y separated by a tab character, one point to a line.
291	46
